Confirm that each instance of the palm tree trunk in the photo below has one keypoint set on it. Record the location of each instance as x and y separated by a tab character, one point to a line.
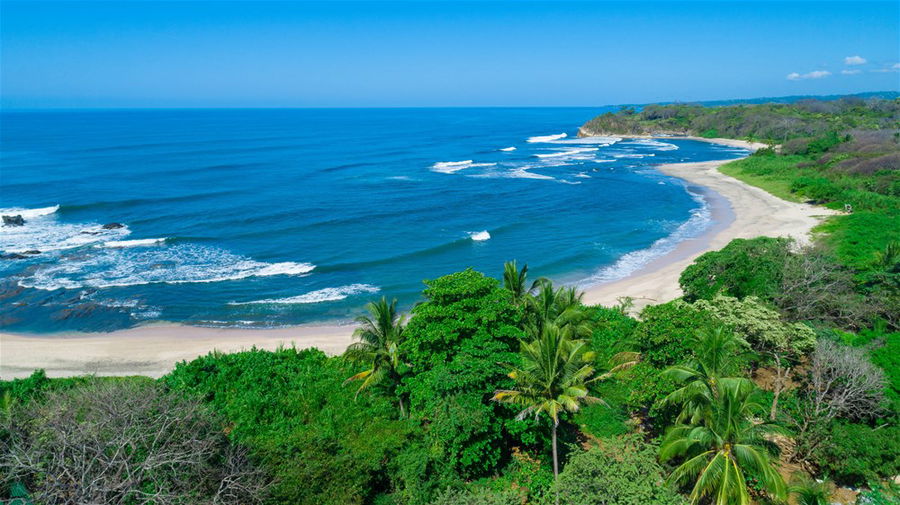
402	409
555	462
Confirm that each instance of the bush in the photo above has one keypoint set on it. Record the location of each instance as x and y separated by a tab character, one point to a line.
662	334
622	471
323	445
742	268
857	453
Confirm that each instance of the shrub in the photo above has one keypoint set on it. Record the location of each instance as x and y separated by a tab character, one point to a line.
857	453
322	445
662	334
742	268
622	471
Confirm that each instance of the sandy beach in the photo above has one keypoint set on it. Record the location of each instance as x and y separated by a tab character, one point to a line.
740	211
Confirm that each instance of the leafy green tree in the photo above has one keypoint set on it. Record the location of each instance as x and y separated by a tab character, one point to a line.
379	336
725	450
622	471
454	342
744	267
553	378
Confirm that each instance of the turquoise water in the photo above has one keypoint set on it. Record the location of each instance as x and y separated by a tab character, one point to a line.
267	218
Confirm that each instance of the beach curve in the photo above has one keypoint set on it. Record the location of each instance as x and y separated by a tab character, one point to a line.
741	211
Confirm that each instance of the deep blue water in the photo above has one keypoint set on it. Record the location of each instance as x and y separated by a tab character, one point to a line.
280	217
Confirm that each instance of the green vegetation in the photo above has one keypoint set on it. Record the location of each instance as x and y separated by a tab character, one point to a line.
779	359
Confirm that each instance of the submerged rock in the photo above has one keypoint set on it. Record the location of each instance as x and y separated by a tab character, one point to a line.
13	256
16	220
31	251
113	226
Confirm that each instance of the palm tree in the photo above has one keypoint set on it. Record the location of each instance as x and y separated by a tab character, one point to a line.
554	378
515	281
379	337
726	448
701	375
561	307
810	492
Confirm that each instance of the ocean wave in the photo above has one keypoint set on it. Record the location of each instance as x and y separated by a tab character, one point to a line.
582	175
179	264
631	262
568	152
633	155
601	141
657	145
546	138
508	149
449	167
479	236
46	234
29	213
318	296
144	242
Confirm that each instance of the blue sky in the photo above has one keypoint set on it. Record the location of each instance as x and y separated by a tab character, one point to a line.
428	53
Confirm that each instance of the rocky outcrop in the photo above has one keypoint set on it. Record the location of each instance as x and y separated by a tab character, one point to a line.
113	226
16	220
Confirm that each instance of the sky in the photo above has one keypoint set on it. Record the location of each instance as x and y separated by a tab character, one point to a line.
75	54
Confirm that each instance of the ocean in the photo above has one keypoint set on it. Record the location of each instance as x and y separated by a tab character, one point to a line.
277	217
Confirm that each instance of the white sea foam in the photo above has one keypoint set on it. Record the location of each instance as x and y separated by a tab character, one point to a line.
568	152
113	267
657	145
700	219
449	167
508	149
144	242
633	155
547	138
44	233
601	141
321	295
29	213
582	175
480	236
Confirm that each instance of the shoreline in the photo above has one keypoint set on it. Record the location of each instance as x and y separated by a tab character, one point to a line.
738	211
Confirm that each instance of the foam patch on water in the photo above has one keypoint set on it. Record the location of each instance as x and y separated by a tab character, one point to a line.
568	152
318	296
655	144
601	141
508	149
145	242
116	267
449	167
630	263
480	236
43	232
547	138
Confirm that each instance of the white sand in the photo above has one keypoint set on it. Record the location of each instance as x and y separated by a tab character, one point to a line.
742	211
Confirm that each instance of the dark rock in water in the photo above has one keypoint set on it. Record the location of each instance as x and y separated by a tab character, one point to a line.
16	220
13	256
113	226
86	232
31	251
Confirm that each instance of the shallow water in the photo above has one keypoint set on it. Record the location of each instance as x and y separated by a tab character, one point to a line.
281	217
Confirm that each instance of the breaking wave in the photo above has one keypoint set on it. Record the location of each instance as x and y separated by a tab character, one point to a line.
321	295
